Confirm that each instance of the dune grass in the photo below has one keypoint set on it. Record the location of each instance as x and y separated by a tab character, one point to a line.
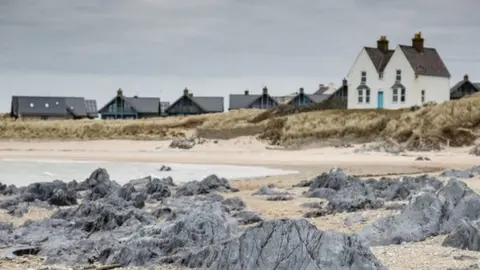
451	123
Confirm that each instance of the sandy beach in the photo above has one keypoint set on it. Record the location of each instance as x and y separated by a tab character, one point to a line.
248	151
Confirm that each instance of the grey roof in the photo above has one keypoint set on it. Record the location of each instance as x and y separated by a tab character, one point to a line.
209	104
363	86
477	85
238	101
91	107
76	106
428	63
379	58
39	106
144	104
318	98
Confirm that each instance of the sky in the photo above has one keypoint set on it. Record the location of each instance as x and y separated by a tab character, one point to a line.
91	48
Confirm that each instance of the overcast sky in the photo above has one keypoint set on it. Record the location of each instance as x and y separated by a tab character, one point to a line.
214	47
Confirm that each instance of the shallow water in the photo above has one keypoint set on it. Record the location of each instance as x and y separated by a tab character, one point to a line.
22	172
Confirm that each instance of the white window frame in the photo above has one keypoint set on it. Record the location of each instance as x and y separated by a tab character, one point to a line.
403	95
363	79
398	75
360	97
367	96
395	95
423	96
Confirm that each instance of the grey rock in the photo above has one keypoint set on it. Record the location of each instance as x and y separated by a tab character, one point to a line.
464	258
183	143
266	191
247	217
164	168
426	215
457	173
395	206
234	204
207	185
316	213
465	235
322	193
285	244
354	219
280	198
303	183
319	205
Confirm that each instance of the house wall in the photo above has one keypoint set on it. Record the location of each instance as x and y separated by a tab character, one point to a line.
437	89
184	106
118	109
362	63
263	102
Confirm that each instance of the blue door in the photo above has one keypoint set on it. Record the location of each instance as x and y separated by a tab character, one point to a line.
380	100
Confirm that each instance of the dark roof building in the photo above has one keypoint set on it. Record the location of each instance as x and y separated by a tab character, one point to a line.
463	88
248	101
188	104
46	107
122	107
305	99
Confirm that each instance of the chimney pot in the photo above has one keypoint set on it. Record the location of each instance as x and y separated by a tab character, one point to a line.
190	95
344	81
246	93
119	92
417	42
185	92
382	44
301	90
465	77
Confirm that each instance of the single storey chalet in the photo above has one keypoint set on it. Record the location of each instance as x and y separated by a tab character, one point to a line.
46	107
305	99
188	104
463	88
248	101
122	107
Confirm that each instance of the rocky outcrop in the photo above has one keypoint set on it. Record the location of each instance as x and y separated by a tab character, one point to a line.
427	214
466	235
208	184
285	244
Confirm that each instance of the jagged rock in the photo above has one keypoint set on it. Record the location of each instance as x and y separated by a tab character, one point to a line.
56	193
457	173
313	205
183	143
266	191
285	244
98	185
234	204
164	168
159	187
356	195
322	193
303	183
426	215
422	158
354	219
465	235
8	190
280	198
208	184
247	217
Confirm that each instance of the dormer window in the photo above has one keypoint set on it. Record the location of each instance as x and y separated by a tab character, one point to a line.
398	77
364	77
56	103
31	105
46	105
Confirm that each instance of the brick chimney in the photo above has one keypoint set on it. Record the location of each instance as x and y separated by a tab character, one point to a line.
382	44
265	90
344	82
417	42
119	92
301	90
246	92
185	92
465	77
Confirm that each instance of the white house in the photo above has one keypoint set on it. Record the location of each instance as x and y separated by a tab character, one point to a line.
400	78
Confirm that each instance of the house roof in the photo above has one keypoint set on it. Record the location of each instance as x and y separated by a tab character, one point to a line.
238	101
144	104
76	106
379	58
91	107
462	82
209	104
318	98
428	63
41	106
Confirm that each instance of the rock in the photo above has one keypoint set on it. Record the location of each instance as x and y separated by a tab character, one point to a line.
183	143
247	217
395	206
234	204
475	151
208	184
316	213
164	168
354	219
464	258
285	244
313	205
159	188
8	190
303	183
356	195
427	214
266	191
280	198
457	173
422	158
322	193
465	235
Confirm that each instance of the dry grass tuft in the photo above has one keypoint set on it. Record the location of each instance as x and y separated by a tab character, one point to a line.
452	123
